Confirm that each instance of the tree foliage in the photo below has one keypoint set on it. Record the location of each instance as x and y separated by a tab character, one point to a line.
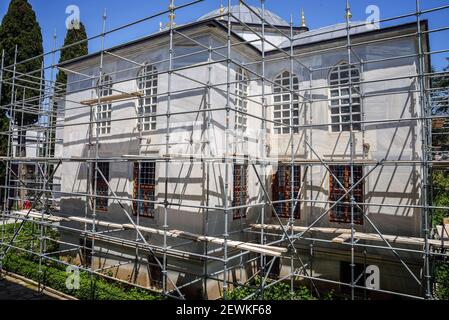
20	28
440	105
54	275
279	291
77	50
440	195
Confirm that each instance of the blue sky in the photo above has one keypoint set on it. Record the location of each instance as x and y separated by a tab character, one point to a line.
52	16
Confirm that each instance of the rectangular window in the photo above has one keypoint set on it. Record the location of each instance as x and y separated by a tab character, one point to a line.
342	98
144	188
102	188
104	116
147	109
104	110
341	213
240	195
282	190
286	103
241	100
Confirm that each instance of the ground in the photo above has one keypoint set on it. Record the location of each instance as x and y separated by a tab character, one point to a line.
13	289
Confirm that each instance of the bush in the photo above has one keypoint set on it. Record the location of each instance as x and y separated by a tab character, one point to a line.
442	281
279	291
54	276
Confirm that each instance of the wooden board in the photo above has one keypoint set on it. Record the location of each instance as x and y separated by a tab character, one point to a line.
111	99
246	246
342	235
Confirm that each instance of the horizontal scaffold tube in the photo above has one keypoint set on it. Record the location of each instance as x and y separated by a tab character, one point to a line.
252	247
342	235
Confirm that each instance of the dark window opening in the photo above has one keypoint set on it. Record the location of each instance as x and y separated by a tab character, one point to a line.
240	194
14	191
275	269
341	213
345	277
155	272
102	189
86	252
282	191
144	189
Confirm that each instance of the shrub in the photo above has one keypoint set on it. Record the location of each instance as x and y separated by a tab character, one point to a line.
442	281
54	276
278	291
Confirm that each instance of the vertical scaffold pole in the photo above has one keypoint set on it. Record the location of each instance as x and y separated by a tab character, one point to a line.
351	147
293	128
425	151
264	149
41	145
96	168
5	190
167	141
226	155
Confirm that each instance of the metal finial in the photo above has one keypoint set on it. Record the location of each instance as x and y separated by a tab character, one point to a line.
222	11
348	15
171	15
160	26
303	19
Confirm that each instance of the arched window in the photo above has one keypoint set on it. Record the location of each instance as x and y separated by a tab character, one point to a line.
147	81
104	110
241	99
340	101
284	84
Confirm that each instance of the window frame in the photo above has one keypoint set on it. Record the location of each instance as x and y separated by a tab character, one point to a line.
103	111
284	187
147	121
143	191
240	194
356	94
279	91
242	86
335	193
101	204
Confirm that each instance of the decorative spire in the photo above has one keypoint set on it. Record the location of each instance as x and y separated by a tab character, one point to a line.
303	19
160	26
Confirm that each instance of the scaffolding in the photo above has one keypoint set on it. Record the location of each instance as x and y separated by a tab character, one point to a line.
260	244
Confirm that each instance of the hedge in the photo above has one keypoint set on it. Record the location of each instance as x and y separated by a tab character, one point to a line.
278	291
55	277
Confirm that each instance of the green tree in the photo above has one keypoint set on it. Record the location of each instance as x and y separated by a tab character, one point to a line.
20	28
440	107
440	176
74	35
75	45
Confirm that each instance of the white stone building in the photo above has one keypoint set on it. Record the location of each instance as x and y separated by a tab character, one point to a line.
137	128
